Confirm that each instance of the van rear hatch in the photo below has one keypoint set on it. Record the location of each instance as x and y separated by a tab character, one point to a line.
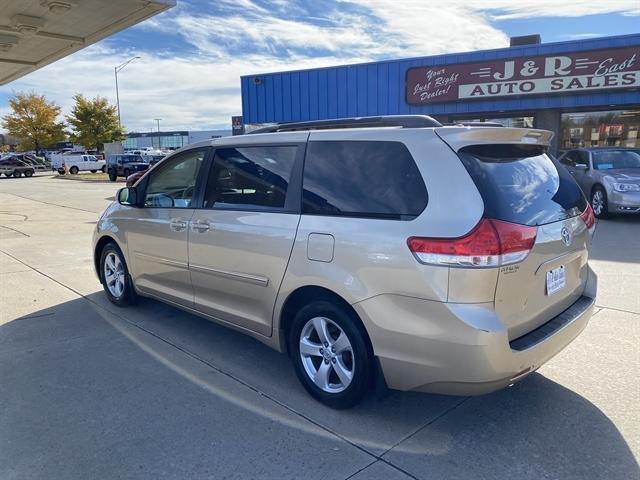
520	184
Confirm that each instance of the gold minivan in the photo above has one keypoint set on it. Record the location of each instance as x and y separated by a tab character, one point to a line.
447	259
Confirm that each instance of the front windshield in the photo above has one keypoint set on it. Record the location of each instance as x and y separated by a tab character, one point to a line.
616	159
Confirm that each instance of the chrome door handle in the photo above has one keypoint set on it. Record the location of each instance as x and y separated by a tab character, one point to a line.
201	226
177	224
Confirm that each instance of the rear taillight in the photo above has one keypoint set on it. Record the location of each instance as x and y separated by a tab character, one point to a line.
490	244
589	218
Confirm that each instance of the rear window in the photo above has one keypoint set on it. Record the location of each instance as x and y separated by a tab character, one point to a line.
362	179
522	184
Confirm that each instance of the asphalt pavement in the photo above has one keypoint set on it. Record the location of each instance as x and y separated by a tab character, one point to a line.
90	390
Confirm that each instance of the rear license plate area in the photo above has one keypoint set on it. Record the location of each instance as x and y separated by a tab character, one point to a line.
556	280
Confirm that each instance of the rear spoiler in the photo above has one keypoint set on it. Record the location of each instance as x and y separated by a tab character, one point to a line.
457	137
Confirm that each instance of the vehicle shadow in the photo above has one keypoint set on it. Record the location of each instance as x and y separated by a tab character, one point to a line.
617	239
536	429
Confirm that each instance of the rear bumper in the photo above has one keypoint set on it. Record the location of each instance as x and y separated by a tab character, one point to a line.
462	349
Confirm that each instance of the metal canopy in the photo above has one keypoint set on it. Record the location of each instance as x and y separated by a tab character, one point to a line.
34	33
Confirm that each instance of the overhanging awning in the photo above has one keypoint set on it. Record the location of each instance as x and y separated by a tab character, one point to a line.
34	33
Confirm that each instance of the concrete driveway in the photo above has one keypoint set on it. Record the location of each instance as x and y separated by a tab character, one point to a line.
88	390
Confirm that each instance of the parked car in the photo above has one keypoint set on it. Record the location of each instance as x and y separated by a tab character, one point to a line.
77	163
438	259
13	167
123	165
153	159
37	163
134	177
609	177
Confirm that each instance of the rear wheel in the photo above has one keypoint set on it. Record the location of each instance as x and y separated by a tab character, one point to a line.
28	173
115	277
599	202
126	172
73	170
17	173
103	169
112	176
330	354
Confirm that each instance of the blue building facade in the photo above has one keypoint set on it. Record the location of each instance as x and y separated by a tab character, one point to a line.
542	85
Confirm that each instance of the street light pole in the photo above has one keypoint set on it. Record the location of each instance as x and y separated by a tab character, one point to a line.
159	137
115	71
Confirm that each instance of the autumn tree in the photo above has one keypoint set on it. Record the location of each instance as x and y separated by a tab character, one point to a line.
94	122
33	121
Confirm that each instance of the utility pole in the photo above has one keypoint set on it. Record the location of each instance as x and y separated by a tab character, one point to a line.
159	137
115	71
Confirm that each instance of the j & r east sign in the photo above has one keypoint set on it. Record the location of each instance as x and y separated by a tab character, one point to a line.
560	73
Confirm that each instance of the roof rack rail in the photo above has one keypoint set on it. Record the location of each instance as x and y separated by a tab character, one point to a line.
404	121
475	124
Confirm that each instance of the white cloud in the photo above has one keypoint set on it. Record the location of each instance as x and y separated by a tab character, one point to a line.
509	9
200	87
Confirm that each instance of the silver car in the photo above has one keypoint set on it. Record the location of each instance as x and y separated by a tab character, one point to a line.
610	177
390	249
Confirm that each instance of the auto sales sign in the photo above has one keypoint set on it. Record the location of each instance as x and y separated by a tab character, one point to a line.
559	73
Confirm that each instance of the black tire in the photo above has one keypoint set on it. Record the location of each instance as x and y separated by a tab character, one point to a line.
129	295
599	202
103	169
73	170
61	171
93	171
361	355
112	176
28	173
17	173
126	172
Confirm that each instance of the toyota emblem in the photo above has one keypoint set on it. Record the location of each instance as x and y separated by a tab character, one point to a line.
566	236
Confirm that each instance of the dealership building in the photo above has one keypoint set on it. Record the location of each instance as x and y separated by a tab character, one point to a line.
587	91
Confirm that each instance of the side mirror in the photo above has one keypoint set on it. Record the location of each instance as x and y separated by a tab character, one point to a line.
581	166
128	196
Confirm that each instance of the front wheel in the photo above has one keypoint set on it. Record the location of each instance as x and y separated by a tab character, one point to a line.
94	171
115	277
28	173
112	176
103	169
599	202
73	170
331	354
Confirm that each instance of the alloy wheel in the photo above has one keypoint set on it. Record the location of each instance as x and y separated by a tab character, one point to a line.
327	355
114	275
597	202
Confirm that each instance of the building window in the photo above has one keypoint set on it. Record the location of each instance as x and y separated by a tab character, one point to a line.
613	128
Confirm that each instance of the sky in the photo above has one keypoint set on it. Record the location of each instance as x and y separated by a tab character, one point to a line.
192	56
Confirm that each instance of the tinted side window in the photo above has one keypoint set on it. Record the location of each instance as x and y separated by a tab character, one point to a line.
362	179
569	159
521	184
173	185
583	158
250	176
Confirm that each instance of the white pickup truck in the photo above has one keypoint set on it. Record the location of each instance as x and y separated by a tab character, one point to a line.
77	163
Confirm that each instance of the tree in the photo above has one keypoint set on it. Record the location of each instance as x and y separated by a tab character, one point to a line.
94	122
33	121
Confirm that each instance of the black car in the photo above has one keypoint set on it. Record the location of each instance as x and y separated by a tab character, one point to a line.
123	165
13	167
